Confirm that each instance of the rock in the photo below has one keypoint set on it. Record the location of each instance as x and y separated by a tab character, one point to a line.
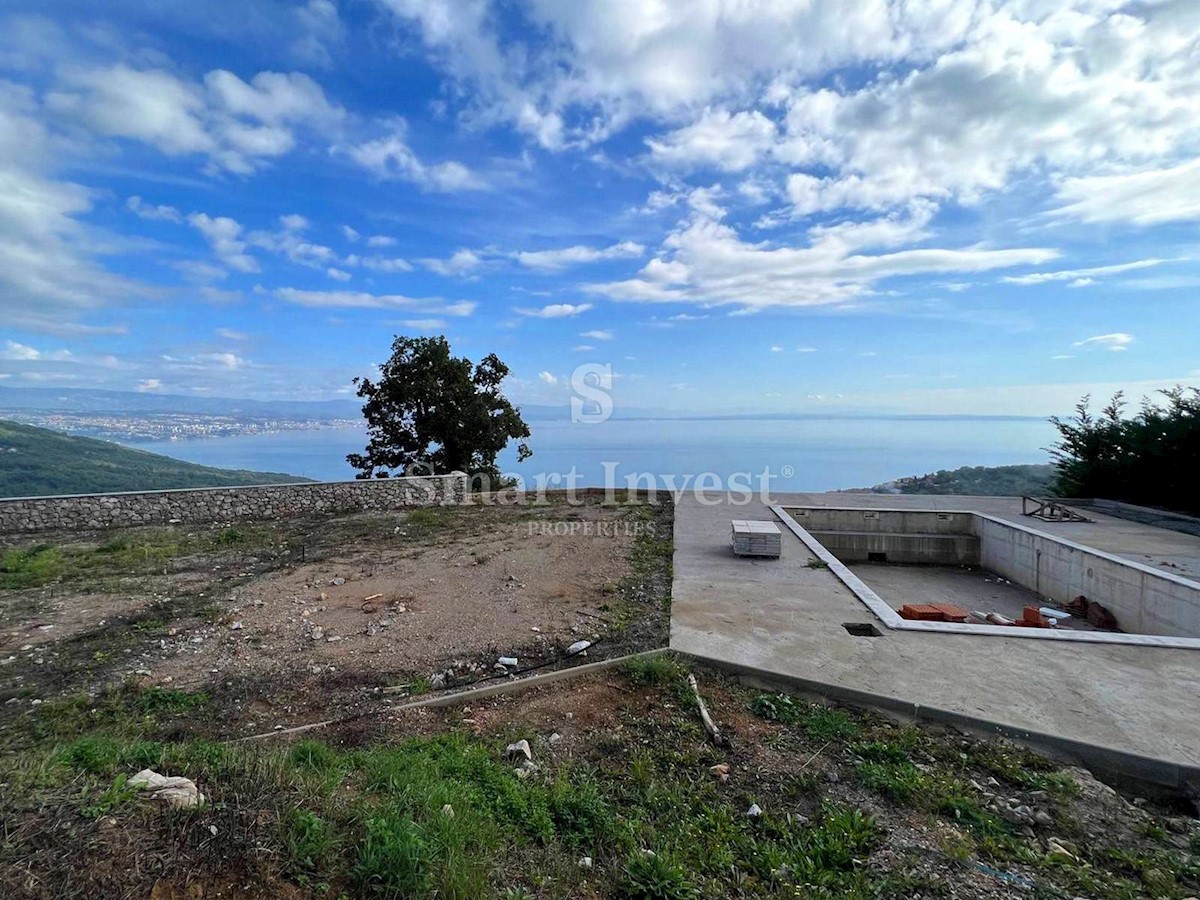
337	582
509	662
720	771
437	681
1043	818
236	626
317	633
833	777
585	862
448	811
578	647
754	811
1178	824
178	792
518	751
554	738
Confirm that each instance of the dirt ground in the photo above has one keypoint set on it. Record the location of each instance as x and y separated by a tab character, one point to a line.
293	620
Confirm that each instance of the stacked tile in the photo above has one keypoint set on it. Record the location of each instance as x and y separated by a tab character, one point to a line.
752	538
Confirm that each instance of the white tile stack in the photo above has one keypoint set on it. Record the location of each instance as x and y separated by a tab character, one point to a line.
752	538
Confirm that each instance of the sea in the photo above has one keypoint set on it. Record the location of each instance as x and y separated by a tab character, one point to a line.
791	454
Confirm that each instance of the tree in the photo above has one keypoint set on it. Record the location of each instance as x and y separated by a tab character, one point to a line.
433	413
1150	459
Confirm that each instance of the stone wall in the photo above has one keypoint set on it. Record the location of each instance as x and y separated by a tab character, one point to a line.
199	505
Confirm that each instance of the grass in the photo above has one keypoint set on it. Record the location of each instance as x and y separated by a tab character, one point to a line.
445	815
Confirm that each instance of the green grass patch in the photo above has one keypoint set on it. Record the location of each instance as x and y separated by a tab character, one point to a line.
823	723
30	567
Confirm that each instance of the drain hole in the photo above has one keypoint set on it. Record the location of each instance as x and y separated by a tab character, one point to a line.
876	557
861	629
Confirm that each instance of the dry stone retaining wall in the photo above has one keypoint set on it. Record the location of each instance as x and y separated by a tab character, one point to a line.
198	505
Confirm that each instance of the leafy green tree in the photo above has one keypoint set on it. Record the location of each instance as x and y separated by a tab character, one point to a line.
1151	458
431	412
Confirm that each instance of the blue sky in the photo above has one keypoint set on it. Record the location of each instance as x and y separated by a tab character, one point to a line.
934	207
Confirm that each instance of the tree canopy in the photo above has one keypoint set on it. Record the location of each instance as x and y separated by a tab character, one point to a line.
431	412
1151	458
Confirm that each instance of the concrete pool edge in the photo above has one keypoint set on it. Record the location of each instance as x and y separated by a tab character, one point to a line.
884	612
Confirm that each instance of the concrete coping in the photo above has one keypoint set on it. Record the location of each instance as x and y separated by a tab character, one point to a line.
892	619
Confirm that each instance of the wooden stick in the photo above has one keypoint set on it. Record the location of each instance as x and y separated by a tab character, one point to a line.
709	725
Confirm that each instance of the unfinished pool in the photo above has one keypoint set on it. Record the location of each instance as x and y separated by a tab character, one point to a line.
889	557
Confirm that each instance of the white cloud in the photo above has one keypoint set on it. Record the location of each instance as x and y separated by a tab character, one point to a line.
320	29
151	211
390	158
237	125
424	324
706	261
1082	277
338	274
224	235
555	310
363	300
1116	342
548	378
350	234
598	334
557	260
231	334
462	262
149	384
717	139
776	349
381	240
1150	197
15	351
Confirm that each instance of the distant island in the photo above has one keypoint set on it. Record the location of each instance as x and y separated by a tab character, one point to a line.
37	461
980	481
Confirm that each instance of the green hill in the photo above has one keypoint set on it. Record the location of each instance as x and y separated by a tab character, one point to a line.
981	481
36	461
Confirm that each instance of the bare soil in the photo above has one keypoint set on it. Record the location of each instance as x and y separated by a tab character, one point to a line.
298	620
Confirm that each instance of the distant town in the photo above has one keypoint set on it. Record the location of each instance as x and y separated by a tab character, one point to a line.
166	426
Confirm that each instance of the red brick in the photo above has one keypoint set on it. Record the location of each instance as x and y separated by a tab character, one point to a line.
950	612
922	612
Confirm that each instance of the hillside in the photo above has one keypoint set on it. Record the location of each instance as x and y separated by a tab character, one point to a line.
980	481
36	461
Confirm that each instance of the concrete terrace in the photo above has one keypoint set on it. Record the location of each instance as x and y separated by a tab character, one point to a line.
784	619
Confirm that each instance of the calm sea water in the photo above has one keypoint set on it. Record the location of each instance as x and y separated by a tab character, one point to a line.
802	455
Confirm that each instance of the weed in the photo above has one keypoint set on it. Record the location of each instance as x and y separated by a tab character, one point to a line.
823	723
228	536
654	876
582	817
816	564
393	858
901	781
313	756
653	670
428	517
307	841
30	567
115	796
156	701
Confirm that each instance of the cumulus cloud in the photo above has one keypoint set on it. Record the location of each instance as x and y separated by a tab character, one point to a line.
236	125
390	158
548	378
462	262
707	261
159	212
225	237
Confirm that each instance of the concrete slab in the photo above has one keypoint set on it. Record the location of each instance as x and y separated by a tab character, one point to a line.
784	618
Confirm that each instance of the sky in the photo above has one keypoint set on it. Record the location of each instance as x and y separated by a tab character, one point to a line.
739	205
